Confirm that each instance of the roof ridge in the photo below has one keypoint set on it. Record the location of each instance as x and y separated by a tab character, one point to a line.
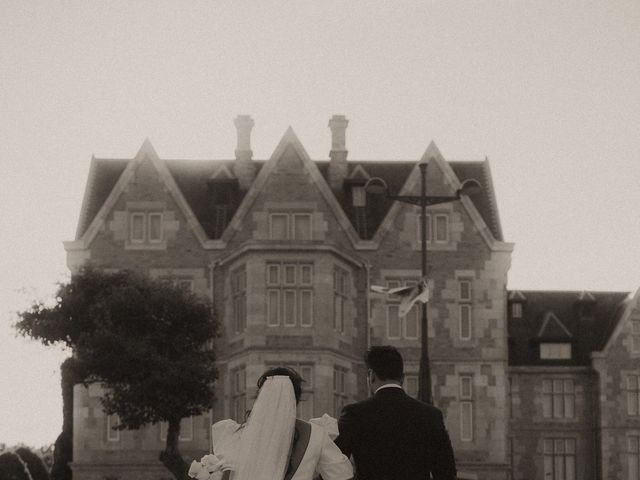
89	189
522	290
493	202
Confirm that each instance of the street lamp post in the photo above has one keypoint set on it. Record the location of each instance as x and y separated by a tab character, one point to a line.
469	187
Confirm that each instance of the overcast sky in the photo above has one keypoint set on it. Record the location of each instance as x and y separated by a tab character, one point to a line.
548	91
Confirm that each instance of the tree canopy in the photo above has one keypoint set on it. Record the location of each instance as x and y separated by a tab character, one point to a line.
148	342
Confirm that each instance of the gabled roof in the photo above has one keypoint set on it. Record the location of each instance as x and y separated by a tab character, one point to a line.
94	224
290	140
192	176
103	175
559	316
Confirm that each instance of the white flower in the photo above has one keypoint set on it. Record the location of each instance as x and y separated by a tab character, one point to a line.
198	471
212	463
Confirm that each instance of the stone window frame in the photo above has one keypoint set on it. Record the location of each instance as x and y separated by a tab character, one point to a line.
546	351
465	304
633	394
278	287
436	230
146	216
466	400
431	220
133	216
558	398
112	420
238	393
394	304
341	292
291	223
238	293
559	457
182	437
180	281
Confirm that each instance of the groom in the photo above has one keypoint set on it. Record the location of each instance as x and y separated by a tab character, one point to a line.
390	435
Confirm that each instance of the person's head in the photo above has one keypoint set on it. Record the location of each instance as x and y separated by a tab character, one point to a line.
294	376
385	366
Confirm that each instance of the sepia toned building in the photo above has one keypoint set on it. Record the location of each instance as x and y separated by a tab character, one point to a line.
533	385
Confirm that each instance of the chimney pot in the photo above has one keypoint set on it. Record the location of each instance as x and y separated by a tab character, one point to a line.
338	125
244	167
338	154
244	124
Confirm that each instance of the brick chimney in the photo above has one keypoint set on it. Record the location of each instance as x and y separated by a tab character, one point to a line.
244	168
338	154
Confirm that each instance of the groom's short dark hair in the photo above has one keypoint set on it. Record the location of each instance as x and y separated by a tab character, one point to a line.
386	362
294	376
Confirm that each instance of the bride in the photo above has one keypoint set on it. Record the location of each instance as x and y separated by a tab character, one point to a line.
273	444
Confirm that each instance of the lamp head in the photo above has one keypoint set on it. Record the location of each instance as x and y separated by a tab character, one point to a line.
376	186
469	188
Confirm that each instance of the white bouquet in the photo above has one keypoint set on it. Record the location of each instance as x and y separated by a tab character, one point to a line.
206	467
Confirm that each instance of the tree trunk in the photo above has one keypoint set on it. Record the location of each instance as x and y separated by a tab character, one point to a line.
170	456
63	453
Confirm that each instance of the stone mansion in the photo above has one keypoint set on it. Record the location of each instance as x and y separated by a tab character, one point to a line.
534	385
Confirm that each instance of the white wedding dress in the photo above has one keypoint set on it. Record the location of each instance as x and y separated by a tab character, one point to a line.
321	456
273	444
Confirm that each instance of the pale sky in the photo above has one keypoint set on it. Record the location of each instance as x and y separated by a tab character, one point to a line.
548	91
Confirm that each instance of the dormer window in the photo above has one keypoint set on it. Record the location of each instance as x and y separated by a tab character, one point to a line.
358	196
555	351
223	192
516	310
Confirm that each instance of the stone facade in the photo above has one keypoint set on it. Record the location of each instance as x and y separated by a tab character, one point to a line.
287	254
573	414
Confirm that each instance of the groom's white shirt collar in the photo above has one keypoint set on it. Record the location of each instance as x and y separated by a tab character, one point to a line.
388	385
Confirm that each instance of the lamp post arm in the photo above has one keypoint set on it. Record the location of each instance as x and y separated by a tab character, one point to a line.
426	200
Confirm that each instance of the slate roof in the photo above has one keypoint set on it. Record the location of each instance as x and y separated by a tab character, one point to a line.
191	177
589	323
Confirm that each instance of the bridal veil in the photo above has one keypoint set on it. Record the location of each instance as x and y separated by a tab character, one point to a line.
268	436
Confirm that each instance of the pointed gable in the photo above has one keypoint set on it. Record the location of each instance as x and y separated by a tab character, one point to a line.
358	175
289	167
193	178
517	296
585	296
623	315
553	328
449	184
222	173
95	222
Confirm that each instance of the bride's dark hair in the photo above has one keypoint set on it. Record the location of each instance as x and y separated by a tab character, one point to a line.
294	376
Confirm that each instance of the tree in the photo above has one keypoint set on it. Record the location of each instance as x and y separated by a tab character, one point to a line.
148	342
34	463
13	468
63	448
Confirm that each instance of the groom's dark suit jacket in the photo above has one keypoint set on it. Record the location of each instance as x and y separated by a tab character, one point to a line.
395	437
